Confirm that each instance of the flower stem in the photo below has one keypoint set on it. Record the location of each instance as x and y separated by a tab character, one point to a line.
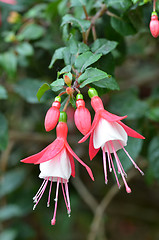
66	104
154	5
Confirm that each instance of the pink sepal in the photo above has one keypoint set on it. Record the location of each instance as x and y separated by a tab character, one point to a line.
92	151
54	149
72	164
79	160
130	131
111	117
94	124
34	158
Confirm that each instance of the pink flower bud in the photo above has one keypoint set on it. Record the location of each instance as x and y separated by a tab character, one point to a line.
154	26
52	116
82	117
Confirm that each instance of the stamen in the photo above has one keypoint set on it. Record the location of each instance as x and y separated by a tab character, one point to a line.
48	201
110	157
53	221
133	162
64	195
117	161
42	192
109	164
68	199
105	167
39	189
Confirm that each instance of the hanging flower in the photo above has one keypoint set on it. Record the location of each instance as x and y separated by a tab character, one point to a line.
154	25
56	165
53	114
109	134
82	116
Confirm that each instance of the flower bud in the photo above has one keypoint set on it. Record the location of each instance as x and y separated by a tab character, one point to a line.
52	115
154	25
67	80
69	90
82	116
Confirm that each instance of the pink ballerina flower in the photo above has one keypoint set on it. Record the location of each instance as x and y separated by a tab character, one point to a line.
109	134
13	2
82	116
56	165
154	25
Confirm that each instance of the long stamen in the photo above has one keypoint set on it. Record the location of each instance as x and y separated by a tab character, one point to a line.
109	164
122	169
135	165
42	192
68	198
36	195
117	161
48	201
64	195
105	167
53	221
110	157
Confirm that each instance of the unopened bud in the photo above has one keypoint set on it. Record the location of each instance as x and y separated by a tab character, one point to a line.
14	17
69	90
67	80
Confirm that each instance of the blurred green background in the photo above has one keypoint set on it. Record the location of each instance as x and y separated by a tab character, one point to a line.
28	38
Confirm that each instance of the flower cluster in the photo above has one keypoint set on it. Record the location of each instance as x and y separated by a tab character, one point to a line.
56	160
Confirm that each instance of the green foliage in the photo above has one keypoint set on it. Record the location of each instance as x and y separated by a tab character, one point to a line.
3	93
3	132
103	46
31	32
153	156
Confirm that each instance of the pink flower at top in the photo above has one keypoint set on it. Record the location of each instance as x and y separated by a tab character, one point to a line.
56	165
109	134
13	2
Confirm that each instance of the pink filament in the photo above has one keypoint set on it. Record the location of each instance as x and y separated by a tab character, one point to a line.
110	169
56	199
41	194
48	201
68	198
64	195
105	167
117	161
110	157
35	197
135	165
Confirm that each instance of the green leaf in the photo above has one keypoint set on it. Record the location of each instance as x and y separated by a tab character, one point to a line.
8	61
3	93
153	114
153	156
133	147
78	3
123	26
8	234
3	132
58	54
27	88
10	211
42	90
109	83
91	75
11	181
86	59
103	46
31	32
73	45
120	5
73	102
65	70
25	49
82	47
36	11
57	85
83	25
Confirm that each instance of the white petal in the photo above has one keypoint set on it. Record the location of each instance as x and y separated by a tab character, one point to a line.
106	131
58	167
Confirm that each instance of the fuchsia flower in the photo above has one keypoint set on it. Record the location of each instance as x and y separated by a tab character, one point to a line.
52	115
154	25
9	1
109	134
82	116
56	165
